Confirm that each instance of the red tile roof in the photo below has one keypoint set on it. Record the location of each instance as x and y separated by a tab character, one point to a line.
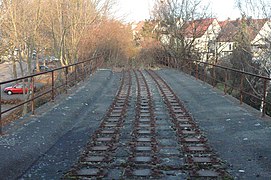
228	31
255	25
231	28
197	28
223	23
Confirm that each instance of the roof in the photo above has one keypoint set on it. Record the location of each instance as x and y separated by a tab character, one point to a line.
255	25
229	29
197	28
223	23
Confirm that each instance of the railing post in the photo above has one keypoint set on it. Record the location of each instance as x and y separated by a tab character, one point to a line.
32	95
66	79
96	64
53	86
1	123
75	74
241	88
214	77
90	67
226	80
204	74
264	97
190	67
83	71
197	71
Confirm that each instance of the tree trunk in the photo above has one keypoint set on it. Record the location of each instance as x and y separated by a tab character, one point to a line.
27	95
14	67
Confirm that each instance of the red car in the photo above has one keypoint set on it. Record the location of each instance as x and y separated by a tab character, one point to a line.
16	89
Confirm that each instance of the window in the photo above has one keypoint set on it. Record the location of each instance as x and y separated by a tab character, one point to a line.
230	47
19	86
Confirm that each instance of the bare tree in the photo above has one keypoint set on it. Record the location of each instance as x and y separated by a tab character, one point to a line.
67	20
261	46
110	38
31	27
178	20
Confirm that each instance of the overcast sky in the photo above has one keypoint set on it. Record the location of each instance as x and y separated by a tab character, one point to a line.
136	10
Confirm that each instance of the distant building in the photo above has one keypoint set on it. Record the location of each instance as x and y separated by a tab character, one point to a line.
210	39
258	34
203	33
198	35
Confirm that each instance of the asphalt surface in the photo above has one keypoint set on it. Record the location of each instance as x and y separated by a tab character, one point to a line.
48	144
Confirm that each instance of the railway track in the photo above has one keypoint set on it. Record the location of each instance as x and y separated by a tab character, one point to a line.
147	134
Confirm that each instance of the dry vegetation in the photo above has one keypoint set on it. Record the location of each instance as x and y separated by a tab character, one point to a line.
70	31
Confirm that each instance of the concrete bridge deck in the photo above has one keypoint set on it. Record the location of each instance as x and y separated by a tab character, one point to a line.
48	144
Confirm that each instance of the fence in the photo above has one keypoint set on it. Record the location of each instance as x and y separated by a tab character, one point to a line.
51	83
249	88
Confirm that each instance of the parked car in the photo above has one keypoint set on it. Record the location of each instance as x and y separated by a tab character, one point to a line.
42	68
16	89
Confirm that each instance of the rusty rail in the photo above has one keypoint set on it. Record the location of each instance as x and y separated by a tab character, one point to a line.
145	135
64	75
103	144
201	161
208	72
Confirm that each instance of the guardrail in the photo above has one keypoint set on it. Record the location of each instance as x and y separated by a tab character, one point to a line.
232	81
57	81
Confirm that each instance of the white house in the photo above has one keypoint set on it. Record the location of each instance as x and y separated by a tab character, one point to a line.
213	40
262	38
203	33
225	40
200	34
258	31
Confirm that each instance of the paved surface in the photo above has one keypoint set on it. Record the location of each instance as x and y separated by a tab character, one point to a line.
44	144
48	144
146	134
237	133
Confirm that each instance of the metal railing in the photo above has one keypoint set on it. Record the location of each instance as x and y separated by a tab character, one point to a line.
237	83
54	82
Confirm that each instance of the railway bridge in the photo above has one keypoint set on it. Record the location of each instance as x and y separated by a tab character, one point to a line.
139	124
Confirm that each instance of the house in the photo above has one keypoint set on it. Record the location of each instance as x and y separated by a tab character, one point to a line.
164	29
203	33
258	34
260	37
225	40
198	35
211	40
